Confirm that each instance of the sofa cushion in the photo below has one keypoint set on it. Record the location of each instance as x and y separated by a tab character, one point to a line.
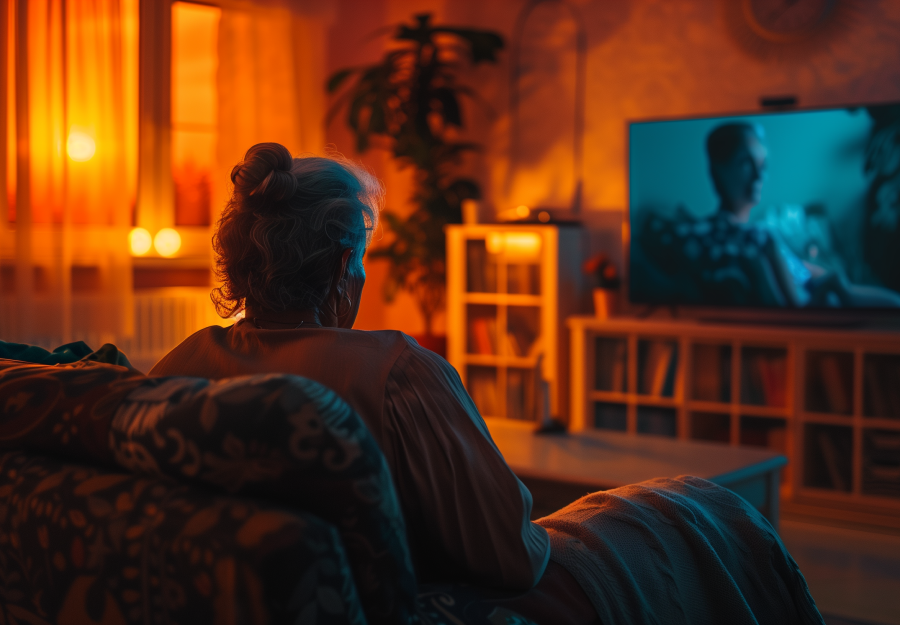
82	545
285	439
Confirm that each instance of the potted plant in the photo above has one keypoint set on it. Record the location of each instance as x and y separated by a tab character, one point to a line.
607	283
409	103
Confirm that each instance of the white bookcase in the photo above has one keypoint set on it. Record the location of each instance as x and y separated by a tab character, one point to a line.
509	290
828	399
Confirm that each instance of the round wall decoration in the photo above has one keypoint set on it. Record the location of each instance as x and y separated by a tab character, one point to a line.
774	28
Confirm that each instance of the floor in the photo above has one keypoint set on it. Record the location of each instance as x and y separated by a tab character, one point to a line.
854	576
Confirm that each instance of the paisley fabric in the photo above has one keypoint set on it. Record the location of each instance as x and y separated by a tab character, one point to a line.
288	440
80	545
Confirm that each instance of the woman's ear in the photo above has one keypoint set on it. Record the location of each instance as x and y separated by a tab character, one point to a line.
341	273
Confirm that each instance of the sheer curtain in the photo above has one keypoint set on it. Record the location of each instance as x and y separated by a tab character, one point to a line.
271	81
72	83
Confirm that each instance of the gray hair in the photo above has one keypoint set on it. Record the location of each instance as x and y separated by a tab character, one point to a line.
285	226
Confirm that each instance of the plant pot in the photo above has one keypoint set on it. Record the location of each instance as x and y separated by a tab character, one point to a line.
435	342
606	303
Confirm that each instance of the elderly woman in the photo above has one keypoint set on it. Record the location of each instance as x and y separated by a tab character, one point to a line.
290	246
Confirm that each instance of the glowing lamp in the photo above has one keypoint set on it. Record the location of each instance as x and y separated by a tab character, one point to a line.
522	211
516	246
80	146
167	242
140	241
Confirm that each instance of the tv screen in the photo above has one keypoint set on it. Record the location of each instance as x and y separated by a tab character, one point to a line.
795	209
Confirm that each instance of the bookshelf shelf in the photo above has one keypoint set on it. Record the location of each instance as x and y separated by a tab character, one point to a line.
509	288
502	298
827	399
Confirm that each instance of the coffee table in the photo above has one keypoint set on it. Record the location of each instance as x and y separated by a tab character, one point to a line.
558	468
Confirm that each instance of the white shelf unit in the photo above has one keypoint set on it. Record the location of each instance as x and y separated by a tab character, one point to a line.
828	399
509	290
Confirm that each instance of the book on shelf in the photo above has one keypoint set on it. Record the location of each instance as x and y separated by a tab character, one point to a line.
882	381
658	374
483	389
708	370
764	380
521	338
830	456
484	335
611	361
837	395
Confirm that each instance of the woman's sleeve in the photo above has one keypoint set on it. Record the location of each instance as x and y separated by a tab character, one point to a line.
467	513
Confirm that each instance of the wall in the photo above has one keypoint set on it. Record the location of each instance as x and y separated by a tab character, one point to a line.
646	58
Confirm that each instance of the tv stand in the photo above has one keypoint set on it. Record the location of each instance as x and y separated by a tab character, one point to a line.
826	397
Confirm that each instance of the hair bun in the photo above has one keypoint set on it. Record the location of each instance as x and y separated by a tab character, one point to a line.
265	173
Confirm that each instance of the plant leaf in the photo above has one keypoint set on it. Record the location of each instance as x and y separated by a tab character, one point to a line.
337	79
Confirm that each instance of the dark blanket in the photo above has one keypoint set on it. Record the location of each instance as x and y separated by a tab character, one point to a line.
679	551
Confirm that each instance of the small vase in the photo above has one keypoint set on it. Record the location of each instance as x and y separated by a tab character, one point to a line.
606	303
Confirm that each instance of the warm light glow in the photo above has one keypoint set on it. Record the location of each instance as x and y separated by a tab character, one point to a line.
517	246
543	217
167	242
80	146
140	241
523	211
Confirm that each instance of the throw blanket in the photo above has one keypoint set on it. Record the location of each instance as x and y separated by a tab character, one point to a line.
678	551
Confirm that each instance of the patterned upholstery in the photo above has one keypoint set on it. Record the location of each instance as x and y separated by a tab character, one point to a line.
81	545
288	440
263	499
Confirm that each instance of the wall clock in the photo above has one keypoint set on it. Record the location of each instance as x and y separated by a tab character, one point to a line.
777	28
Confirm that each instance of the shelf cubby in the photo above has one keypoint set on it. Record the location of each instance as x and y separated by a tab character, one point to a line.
828	454
610	416
881	373
763	376
711	372
881	463
657	421
657	364
829	382
710	426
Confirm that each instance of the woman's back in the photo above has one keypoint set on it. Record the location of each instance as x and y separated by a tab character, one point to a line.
467	514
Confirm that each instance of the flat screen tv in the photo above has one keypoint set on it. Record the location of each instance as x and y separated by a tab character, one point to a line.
790	209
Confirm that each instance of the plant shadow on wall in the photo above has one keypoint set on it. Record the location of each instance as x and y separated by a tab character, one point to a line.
410	104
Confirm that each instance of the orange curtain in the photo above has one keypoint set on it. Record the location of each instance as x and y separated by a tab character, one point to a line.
82	92
72	117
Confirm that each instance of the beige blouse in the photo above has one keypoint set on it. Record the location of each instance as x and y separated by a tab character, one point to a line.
467	514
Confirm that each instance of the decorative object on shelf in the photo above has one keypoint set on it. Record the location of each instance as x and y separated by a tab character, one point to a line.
607	283
409	103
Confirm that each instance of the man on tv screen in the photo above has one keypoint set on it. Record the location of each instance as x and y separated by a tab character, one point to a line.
745	254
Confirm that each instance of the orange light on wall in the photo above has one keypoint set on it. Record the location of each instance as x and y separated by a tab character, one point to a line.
139	241
80	146
167	242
